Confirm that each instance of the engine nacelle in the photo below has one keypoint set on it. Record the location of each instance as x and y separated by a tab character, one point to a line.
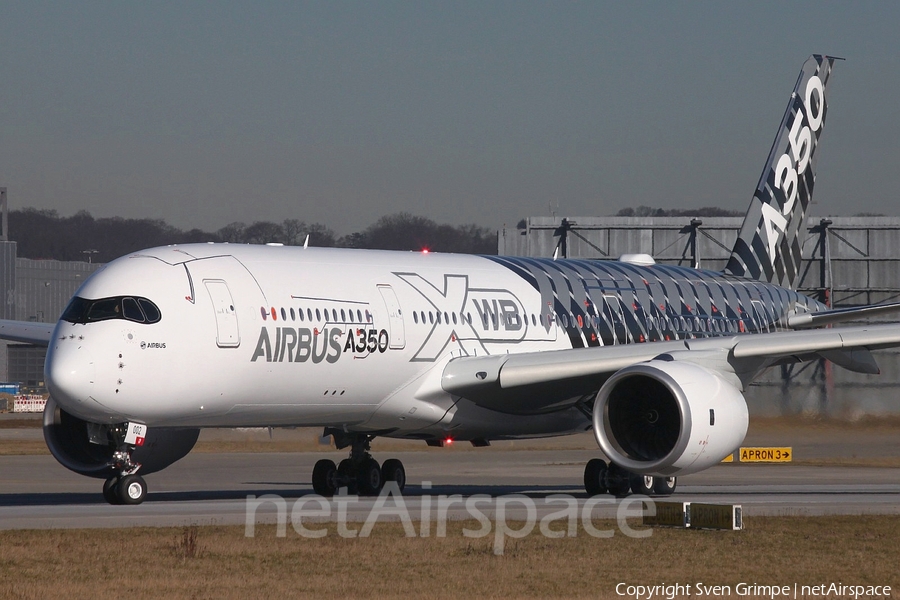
69	441
668	418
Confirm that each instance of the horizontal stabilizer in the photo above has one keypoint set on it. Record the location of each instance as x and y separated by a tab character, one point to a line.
839	315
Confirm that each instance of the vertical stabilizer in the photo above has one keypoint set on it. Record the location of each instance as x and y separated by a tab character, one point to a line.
768	245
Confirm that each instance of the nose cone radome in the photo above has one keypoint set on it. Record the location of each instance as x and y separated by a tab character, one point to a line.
69	372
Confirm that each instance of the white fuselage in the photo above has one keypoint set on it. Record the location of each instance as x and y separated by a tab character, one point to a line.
286	336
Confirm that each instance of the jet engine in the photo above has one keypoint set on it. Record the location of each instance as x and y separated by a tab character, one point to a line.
84	447
668	418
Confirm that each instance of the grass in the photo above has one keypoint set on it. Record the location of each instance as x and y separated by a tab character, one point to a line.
219	562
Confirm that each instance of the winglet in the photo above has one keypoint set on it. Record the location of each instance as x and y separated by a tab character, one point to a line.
768	245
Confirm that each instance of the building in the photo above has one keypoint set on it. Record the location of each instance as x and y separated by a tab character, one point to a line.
34	290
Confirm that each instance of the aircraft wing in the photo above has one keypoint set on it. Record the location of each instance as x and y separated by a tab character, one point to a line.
27	331
539	382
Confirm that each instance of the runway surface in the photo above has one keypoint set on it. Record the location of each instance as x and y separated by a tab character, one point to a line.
212	488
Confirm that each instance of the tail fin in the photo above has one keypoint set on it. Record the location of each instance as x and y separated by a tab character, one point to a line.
768	245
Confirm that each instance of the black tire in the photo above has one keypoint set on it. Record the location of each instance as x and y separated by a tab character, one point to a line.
642	484
665	486
346	477
323	477
368	479
131	489
392	470
595	477
109	491
618	481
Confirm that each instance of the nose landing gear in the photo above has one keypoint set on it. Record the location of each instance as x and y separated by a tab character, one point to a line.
127	487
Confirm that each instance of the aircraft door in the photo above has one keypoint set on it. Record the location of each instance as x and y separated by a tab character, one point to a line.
395	317
759	313
227	334
616	317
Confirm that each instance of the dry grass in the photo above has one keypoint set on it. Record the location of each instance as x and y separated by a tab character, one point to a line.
22	447
219	562
21	423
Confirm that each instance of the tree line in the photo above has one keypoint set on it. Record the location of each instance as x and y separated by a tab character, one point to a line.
46	234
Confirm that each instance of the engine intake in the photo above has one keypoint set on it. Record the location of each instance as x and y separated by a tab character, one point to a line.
69	442
667	418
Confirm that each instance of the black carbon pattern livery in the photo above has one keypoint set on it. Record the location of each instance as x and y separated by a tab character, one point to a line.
611	302
768	246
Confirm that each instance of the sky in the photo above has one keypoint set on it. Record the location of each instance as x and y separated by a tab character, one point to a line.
207	113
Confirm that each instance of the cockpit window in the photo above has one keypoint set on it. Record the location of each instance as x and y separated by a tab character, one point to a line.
131	308
150	311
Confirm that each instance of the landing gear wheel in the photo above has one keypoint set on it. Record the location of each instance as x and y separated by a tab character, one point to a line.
109	490
131	489
323	477
368	478
665	486
642	484
595	477
392	470
618	481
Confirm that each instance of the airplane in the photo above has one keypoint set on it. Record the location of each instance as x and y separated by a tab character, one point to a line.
438	347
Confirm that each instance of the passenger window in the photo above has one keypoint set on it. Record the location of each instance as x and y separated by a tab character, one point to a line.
343	315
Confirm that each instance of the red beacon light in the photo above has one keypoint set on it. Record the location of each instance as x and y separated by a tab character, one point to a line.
425	251
448	441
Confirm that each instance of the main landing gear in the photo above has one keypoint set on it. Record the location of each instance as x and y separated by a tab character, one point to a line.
359	473
127	487
600	478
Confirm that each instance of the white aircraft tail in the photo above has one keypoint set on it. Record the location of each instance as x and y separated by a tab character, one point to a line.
768	245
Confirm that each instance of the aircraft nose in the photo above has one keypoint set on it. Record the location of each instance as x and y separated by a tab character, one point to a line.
69	373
